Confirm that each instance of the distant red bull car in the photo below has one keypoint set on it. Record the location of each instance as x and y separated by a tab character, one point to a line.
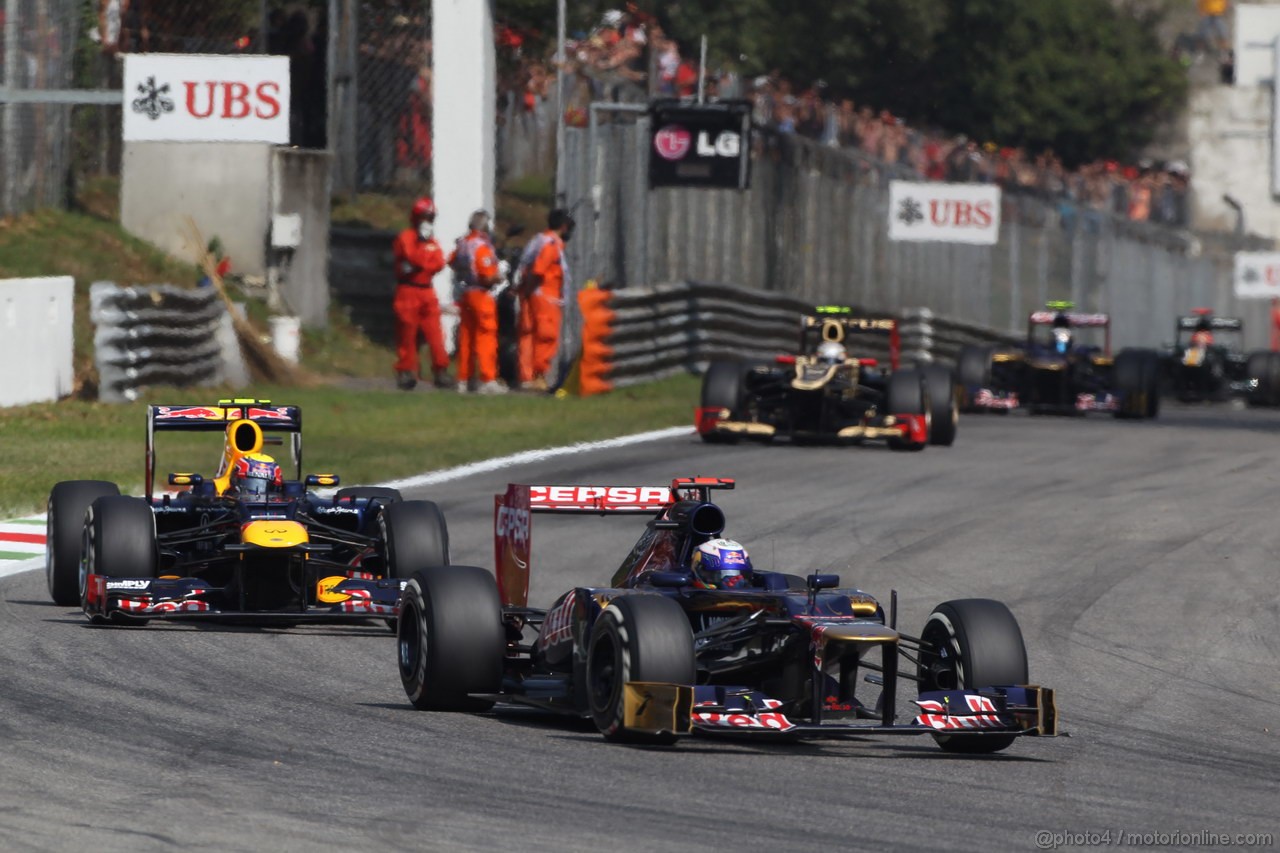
208	549
657	653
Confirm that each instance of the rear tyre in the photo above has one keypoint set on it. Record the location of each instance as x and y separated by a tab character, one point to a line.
636	638
944	411
64	535
978	644
1273	379
415	536
119	542
450	639
1136	379
973	370
722	389
907	394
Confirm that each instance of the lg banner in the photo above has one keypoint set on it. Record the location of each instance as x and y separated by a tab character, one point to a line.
700	145
945	213
1257	275
198	98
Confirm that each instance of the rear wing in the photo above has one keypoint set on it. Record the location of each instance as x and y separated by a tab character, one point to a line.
1075	318
513	518
836	323
1225	324
217	418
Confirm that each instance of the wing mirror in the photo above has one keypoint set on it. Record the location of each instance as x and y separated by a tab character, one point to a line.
671	580
322	479
817	582
192	480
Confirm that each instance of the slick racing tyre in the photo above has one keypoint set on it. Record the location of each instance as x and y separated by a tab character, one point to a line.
415	536
722	389
973	370
382	493
944	411
64	534
1263	371
119	541
1137	382
978	644
908	394
450	638
636	638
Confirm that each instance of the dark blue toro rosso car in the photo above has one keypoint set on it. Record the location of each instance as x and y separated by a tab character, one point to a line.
1064	367
242	541
658	653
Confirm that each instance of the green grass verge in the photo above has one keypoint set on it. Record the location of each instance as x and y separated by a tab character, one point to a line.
364	436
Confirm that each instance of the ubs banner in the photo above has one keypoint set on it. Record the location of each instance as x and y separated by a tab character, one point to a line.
945	213
198	98
700	145
1257	275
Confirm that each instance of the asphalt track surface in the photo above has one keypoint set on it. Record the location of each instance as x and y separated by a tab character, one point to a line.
1140	560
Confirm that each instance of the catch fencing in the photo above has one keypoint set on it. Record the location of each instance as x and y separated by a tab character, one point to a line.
814	225
162	335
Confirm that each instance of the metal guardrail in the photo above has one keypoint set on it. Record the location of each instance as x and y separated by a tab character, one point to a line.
672	328
162	335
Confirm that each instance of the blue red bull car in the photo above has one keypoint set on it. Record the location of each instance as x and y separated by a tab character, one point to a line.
657	653
242	541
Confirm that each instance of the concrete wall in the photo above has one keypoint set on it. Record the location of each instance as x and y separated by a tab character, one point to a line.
1230	140
301	186
35	339
222	185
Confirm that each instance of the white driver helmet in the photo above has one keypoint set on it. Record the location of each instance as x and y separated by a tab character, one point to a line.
830	352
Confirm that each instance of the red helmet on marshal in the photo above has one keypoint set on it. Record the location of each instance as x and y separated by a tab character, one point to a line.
423	208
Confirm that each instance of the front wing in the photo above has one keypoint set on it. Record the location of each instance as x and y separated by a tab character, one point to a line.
681	709
361	596
912	428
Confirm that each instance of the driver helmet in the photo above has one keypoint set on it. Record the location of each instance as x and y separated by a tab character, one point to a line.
1061	334
830	352
722	564
257	475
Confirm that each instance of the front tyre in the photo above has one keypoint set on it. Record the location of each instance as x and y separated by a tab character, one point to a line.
944	410
722	389
636	638
907	394
64	534
978	644
119	541
450	639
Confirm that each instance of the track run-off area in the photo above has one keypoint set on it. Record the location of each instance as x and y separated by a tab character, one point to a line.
1139	558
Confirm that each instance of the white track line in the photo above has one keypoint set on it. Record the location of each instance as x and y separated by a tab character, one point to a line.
7	568
446	475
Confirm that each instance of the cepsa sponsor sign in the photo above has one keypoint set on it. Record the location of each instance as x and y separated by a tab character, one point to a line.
1257	275
944	213
199	98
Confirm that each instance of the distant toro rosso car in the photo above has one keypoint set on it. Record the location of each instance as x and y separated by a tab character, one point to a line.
657	653
830	391
1065	367
241	542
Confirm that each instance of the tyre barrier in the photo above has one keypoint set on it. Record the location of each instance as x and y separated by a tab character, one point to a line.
161	335
639	334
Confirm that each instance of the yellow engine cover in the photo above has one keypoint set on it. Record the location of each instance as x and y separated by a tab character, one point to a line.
273	533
